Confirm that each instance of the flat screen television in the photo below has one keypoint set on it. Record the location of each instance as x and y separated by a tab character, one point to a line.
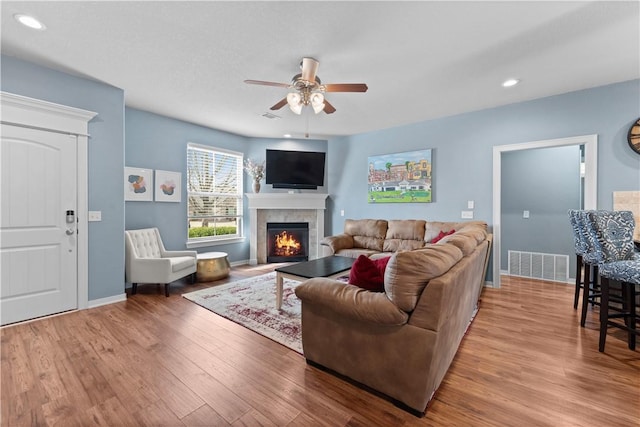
295	169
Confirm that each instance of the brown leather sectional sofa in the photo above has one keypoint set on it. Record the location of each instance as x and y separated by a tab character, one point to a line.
399	342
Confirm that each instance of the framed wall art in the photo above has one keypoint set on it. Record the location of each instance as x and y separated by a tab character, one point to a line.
138	184
400	177
168	186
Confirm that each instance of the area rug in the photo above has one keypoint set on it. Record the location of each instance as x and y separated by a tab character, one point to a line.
252	304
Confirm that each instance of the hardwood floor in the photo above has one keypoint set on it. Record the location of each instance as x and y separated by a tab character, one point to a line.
159	361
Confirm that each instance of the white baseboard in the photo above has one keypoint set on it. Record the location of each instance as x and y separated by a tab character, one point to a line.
488	284
108	300
237	263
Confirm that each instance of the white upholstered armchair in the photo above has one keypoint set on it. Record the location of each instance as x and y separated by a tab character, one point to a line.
147	261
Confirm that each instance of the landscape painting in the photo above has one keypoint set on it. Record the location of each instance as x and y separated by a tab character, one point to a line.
400	177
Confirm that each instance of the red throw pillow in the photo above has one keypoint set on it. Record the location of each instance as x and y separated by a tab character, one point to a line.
368	273
441	235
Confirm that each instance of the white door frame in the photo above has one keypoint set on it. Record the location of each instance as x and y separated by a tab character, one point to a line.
22	111
590	143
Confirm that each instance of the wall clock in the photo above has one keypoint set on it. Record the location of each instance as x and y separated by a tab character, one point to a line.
634	136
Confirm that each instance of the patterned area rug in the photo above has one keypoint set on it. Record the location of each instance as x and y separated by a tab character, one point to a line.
252	304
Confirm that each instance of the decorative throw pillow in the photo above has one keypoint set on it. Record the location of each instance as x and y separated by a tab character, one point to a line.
368	274
441	235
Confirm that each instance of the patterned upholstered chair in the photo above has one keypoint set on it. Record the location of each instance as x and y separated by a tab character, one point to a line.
147	261
591	294
615	251
580	245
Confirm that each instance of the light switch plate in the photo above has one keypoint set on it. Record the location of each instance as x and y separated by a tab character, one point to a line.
342	212
95	216
467	215
470	204
525	214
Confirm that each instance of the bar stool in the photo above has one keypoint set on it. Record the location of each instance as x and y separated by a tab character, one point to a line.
580	246
591	294
613	237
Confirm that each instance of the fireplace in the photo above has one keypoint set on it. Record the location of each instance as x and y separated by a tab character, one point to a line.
284	207
287	241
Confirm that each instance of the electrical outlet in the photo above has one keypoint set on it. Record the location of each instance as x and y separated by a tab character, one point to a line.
467	215
342	212
525	214
470	204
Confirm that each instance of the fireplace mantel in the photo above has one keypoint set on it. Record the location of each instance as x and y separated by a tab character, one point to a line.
257	202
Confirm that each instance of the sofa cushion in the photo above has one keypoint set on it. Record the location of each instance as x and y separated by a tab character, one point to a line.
466	244
477	232
356	252
433	228
338	242
368	274
407	229
404	235
395	245
441	235
408	273
367	233
341	299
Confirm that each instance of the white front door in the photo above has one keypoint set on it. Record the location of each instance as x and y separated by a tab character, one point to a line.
38	244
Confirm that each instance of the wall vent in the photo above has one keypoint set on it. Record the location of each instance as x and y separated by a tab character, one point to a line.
553	267
269	115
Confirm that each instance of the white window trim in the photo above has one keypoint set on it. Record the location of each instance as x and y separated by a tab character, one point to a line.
201	243
213	241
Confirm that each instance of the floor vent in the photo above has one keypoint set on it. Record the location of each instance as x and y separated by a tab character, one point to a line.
534	265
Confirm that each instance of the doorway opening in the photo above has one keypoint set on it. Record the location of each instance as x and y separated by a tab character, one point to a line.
590	143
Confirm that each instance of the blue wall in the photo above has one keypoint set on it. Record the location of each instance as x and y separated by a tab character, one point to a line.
106	160
256	151
158	142
545	182
462	152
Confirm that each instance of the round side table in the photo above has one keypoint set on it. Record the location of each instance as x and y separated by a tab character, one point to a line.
212	266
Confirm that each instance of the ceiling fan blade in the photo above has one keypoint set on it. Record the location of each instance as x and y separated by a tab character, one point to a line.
309	69
328	108
345	87
263	83
280	104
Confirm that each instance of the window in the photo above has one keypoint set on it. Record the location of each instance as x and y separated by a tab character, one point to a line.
214	194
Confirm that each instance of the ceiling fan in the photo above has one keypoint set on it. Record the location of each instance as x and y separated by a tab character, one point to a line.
307	89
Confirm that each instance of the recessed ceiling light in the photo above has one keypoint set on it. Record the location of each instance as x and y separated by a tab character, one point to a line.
287	135
29	21
510	82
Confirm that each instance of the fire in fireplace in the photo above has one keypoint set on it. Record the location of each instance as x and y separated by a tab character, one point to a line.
287	241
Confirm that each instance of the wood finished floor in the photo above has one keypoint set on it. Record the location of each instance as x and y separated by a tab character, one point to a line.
156	361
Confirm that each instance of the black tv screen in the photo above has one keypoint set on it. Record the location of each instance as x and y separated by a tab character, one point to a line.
295	169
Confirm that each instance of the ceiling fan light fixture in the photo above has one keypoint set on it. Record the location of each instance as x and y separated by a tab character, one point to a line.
306	89
317	102
294	100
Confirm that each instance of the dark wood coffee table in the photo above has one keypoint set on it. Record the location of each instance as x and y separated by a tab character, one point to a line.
330	267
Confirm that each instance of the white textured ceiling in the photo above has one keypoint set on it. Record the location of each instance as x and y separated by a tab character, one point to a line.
421	60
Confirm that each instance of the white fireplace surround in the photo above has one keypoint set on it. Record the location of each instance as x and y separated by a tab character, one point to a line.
284	207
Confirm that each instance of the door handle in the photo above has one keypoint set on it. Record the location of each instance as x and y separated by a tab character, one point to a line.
69	232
